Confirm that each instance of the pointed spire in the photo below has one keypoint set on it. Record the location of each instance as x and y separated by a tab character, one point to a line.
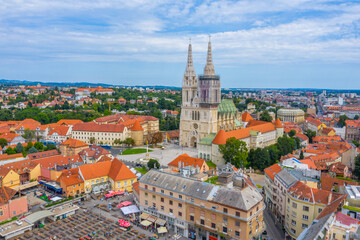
190	70
209	69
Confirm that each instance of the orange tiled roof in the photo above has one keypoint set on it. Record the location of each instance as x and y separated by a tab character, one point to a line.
12	156
327	139
246	117
94	127
30	121
137	126
69	121
74	143
31	127
95	170
309	162
6	194
303	137
353	123
313	121
278	123
136	186
328	182
61	130
332	207
9	136
119	171
186	160
70	177
272	170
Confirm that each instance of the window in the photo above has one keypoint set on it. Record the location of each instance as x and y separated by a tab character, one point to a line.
237	214
294	205
1	213
154	197
320	210
180	214
306	209
170	202
146	194
180	196
192	209
288	200
293	214
225	220
293	222
180	205
202	221
225	210
154	189
146	186
191	218
237	233
192	200
304	226
305	217
213	225
162	191
171	193
162	207
225	229
293	231
213	216
154	205
237	223
170	210
162	199
146	202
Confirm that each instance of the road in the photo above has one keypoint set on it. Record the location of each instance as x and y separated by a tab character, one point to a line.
272	230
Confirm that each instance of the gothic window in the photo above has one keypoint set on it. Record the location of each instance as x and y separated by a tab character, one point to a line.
187	96
193	118
198	116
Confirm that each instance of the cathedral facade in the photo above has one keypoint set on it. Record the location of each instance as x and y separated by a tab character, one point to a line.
202	111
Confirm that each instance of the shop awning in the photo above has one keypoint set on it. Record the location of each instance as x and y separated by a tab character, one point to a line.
130	209
162	230
146	223
144	216
160	222
151	218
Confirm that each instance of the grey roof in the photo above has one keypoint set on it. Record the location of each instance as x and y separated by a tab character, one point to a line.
299	175
286	178
36	216
244	198
315	228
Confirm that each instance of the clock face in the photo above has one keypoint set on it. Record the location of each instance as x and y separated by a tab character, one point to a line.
195	126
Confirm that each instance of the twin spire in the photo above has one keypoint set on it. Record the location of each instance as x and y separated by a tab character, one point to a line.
209	69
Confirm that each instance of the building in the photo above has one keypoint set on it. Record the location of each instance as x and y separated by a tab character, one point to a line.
203	112
72	147
107	175
210	211
314	124
71	182
12	138
59	134
291	115
41	131
352	205
94	154
257	134
303	205
352	130
185	160
270	195
11	206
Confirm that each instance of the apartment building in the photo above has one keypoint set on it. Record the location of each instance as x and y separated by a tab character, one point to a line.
208	211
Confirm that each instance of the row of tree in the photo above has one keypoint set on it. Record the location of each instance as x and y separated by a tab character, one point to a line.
29	148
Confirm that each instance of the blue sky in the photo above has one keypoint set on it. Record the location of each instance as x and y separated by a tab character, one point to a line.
263	44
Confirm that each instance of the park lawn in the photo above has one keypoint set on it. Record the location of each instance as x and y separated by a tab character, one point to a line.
352	208
141	170
211	164
213	180
134	151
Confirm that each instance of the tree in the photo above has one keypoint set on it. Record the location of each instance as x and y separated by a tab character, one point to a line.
155	138
92	140
301	155
33	150
357	144
356	117
265	116
30	104
50	146
342	119
28	135
129	141
292	133
310	134
357	167
153	163
235	152
39	146
19	148
10	151
3	142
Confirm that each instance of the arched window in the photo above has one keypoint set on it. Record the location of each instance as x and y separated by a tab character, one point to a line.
200	155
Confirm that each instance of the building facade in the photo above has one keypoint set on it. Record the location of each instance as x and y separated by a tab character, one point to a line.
291	115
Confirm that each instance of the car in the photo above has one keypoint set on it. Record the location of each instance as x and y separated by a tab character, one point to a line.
264	232
139	165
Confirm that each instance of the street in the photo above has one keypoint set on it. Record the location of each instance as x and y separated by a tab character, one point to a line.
272	229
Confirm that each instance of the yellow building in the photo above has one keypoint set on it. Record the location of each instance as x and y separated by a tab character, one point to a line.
303	205
108	175
10	179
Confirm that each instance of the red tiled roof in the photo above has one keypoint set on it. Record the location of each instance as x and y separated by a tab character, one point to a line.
310	163
246	117
332	207
278	123
328	182
272	170
94	127
137	126
186	160
61	130
74	143
44	154
313	121
119	171
6	194
70	177
345	219
326	139
303	137
9	136
12	156
95	170
136	187
69	121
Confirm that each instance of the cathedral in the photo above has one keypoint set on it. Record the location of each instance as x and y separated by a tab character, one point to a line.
202	111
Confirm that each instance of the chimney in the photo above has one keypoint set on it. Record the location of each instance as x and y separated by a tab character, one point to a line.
329	198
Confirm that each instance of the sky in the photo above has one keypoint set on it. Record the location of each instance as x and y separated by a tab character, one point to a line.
256	44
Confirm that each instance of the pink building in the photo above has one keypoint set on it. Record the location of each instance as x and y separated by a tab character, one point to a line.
11	206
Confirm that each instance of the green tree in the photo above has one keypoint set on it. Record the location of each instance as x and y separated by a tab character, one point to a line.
356	117
28	135
310	134
50	146
235	152
39	146
33	150
92	140
19	148
10	151
301	155
129	141
265	116
3	142
153	163
357	167
292	133
342	119
357	144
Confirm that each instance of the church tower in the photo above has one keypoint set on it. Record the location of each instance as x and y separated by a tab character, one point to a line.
200	99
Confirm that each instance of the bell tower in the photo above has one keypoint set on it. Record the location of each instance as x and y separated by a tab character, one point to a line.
189	83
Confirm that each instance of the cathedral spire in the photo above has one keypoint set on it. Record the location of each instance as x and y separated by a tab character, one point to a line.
209	69
190	71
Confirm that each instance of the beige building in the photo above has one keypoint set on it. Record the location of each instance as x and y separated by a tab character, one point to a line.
209	211
202	111
291	115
